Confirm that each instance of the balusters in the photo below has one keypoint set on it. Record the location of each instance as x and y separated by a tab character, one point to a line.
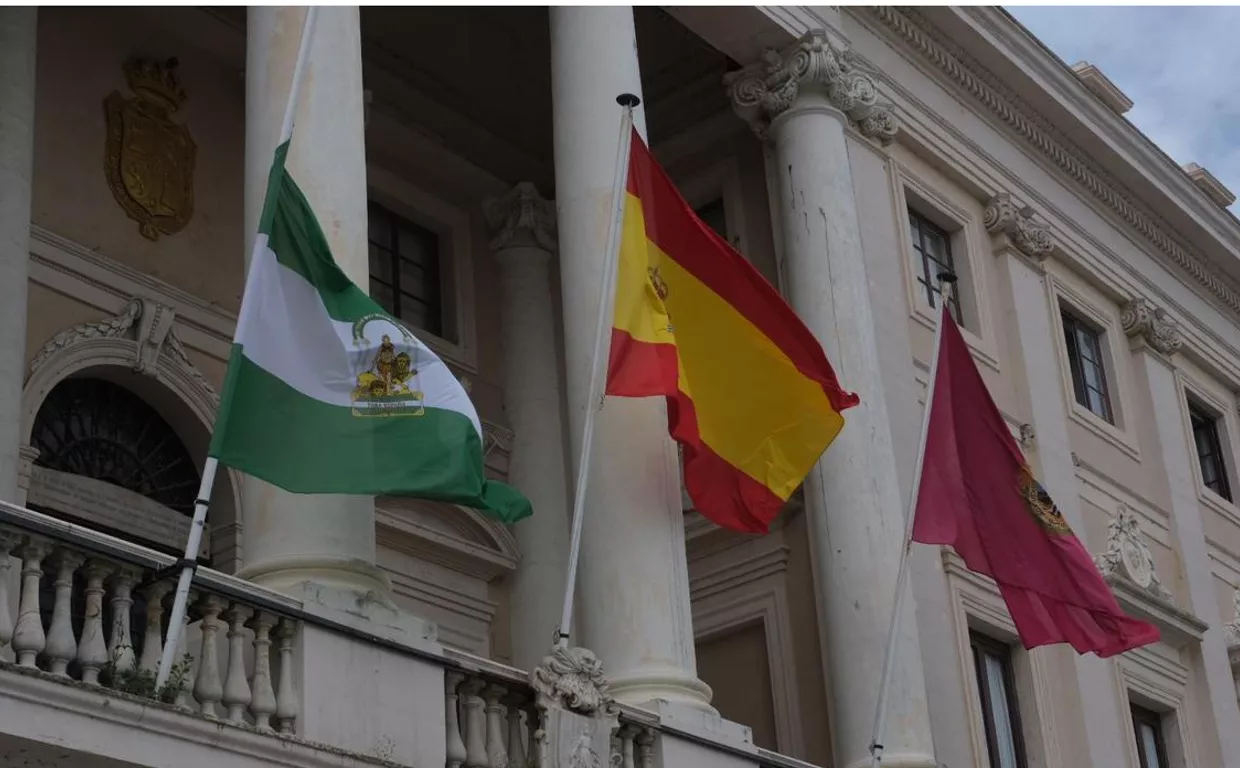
236	687
61	645
207	687
92	653
516	747
120	642
153	638
9	541
475	723
456	745
263	699
286	695
497	754
184	698
28	637
645	748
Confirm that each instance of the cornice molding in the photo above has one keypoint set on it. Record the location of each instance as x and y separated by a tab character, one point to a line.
922	36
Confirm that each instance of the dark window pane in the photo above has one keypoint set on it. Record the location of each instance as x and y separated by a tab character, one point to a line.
1151	747
382	294
715	216
404	269
932	255
1209	451
992	663
380	264
1089	381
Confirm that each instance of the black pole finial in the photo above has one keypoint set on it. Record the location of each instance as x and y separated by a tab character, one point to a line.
628	100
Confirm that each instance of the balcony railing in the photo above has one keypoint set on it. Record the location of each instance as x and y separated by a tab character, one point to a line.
91	610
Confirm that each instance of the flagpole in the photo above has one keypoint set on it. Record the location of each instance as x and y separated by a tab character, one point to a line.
595	393
947	282
189	563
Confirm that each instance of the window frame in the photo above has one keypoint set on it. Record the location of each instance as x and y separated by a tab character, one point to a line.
925	282
1209	420
432	272
1074	326
981	645
458	237
1143	716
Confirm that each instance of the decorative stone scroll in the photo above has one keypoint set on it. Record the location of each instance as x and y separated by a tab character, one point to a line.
1142	320
766	89
579	716
1128	556
144	321
1030	237
521	217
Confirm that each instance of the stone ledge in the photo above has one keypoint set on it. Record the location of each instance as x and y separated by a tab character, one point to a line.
93	720
1178	627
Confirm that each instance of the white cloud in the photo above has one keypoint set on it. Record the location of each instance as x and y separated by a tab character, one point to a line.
1179	66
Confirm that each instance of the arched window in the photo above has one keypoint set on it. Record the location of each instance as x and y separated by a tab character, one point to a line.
96	429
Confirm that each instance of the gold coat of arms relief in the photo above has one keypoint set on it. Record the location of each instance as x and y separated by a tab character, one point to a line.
149	159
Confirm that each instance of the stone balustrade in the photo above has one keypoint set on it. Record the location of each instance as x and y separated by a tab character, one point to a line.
84	607
493	720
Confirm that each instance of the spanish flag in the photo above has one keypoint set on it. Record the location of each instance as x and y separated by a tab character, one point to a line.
751	398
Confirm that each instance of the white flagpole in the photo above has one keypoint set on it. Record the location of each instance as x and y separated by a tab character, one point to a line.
594	403
189	563
946	282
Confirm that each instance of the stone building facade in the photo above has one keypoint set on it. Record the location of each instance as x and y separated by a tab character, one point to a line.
461	163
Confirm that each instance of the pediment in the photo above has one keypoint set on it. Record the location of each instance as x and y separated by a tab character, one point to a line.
453	536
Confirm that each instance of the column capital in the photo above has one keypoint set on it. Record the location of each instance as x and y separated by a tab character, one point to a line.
521	217
768	88
1004	218
1144	322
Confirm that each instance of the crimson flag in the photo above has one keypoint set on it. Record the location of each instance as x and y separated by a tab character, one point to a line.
978	495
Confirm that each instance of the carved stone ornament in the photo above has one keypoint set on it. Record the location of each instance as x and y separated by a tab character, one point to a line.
149	157
1003	217
1139	318
572	678
1128	556
765	89
521	218
146	322
1231	630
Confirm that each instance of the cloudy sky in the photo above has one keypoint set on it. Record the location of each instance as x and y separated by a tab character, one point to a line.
1180	65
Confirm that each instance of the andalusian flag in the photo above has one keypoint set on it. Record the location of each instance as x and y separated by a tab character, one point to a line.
328	393
751	397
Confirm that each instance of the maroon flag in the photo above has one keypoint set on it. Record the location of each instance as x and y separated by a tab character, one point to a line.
978	494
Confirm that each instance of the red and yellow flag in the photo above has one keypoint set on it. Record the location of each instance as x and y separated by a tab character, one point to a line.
751	397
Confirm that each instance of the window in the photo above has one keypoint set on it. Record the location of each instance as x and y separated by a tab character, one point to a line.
715	216
1151	749
932	255
996	686
1209	450
1089	381
404	269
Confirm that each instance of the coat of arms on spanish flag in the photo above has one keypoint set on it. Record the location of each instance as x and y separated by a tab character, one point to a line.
751	398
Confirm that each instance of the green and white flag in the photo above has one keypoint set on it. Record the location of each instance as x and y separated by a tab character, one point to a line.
328	393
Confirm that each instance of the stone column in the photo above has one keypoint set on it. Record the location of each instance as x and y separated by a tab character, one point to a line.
524	239
803	100
293	540
1155	341
18	27
633	591
1021	244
